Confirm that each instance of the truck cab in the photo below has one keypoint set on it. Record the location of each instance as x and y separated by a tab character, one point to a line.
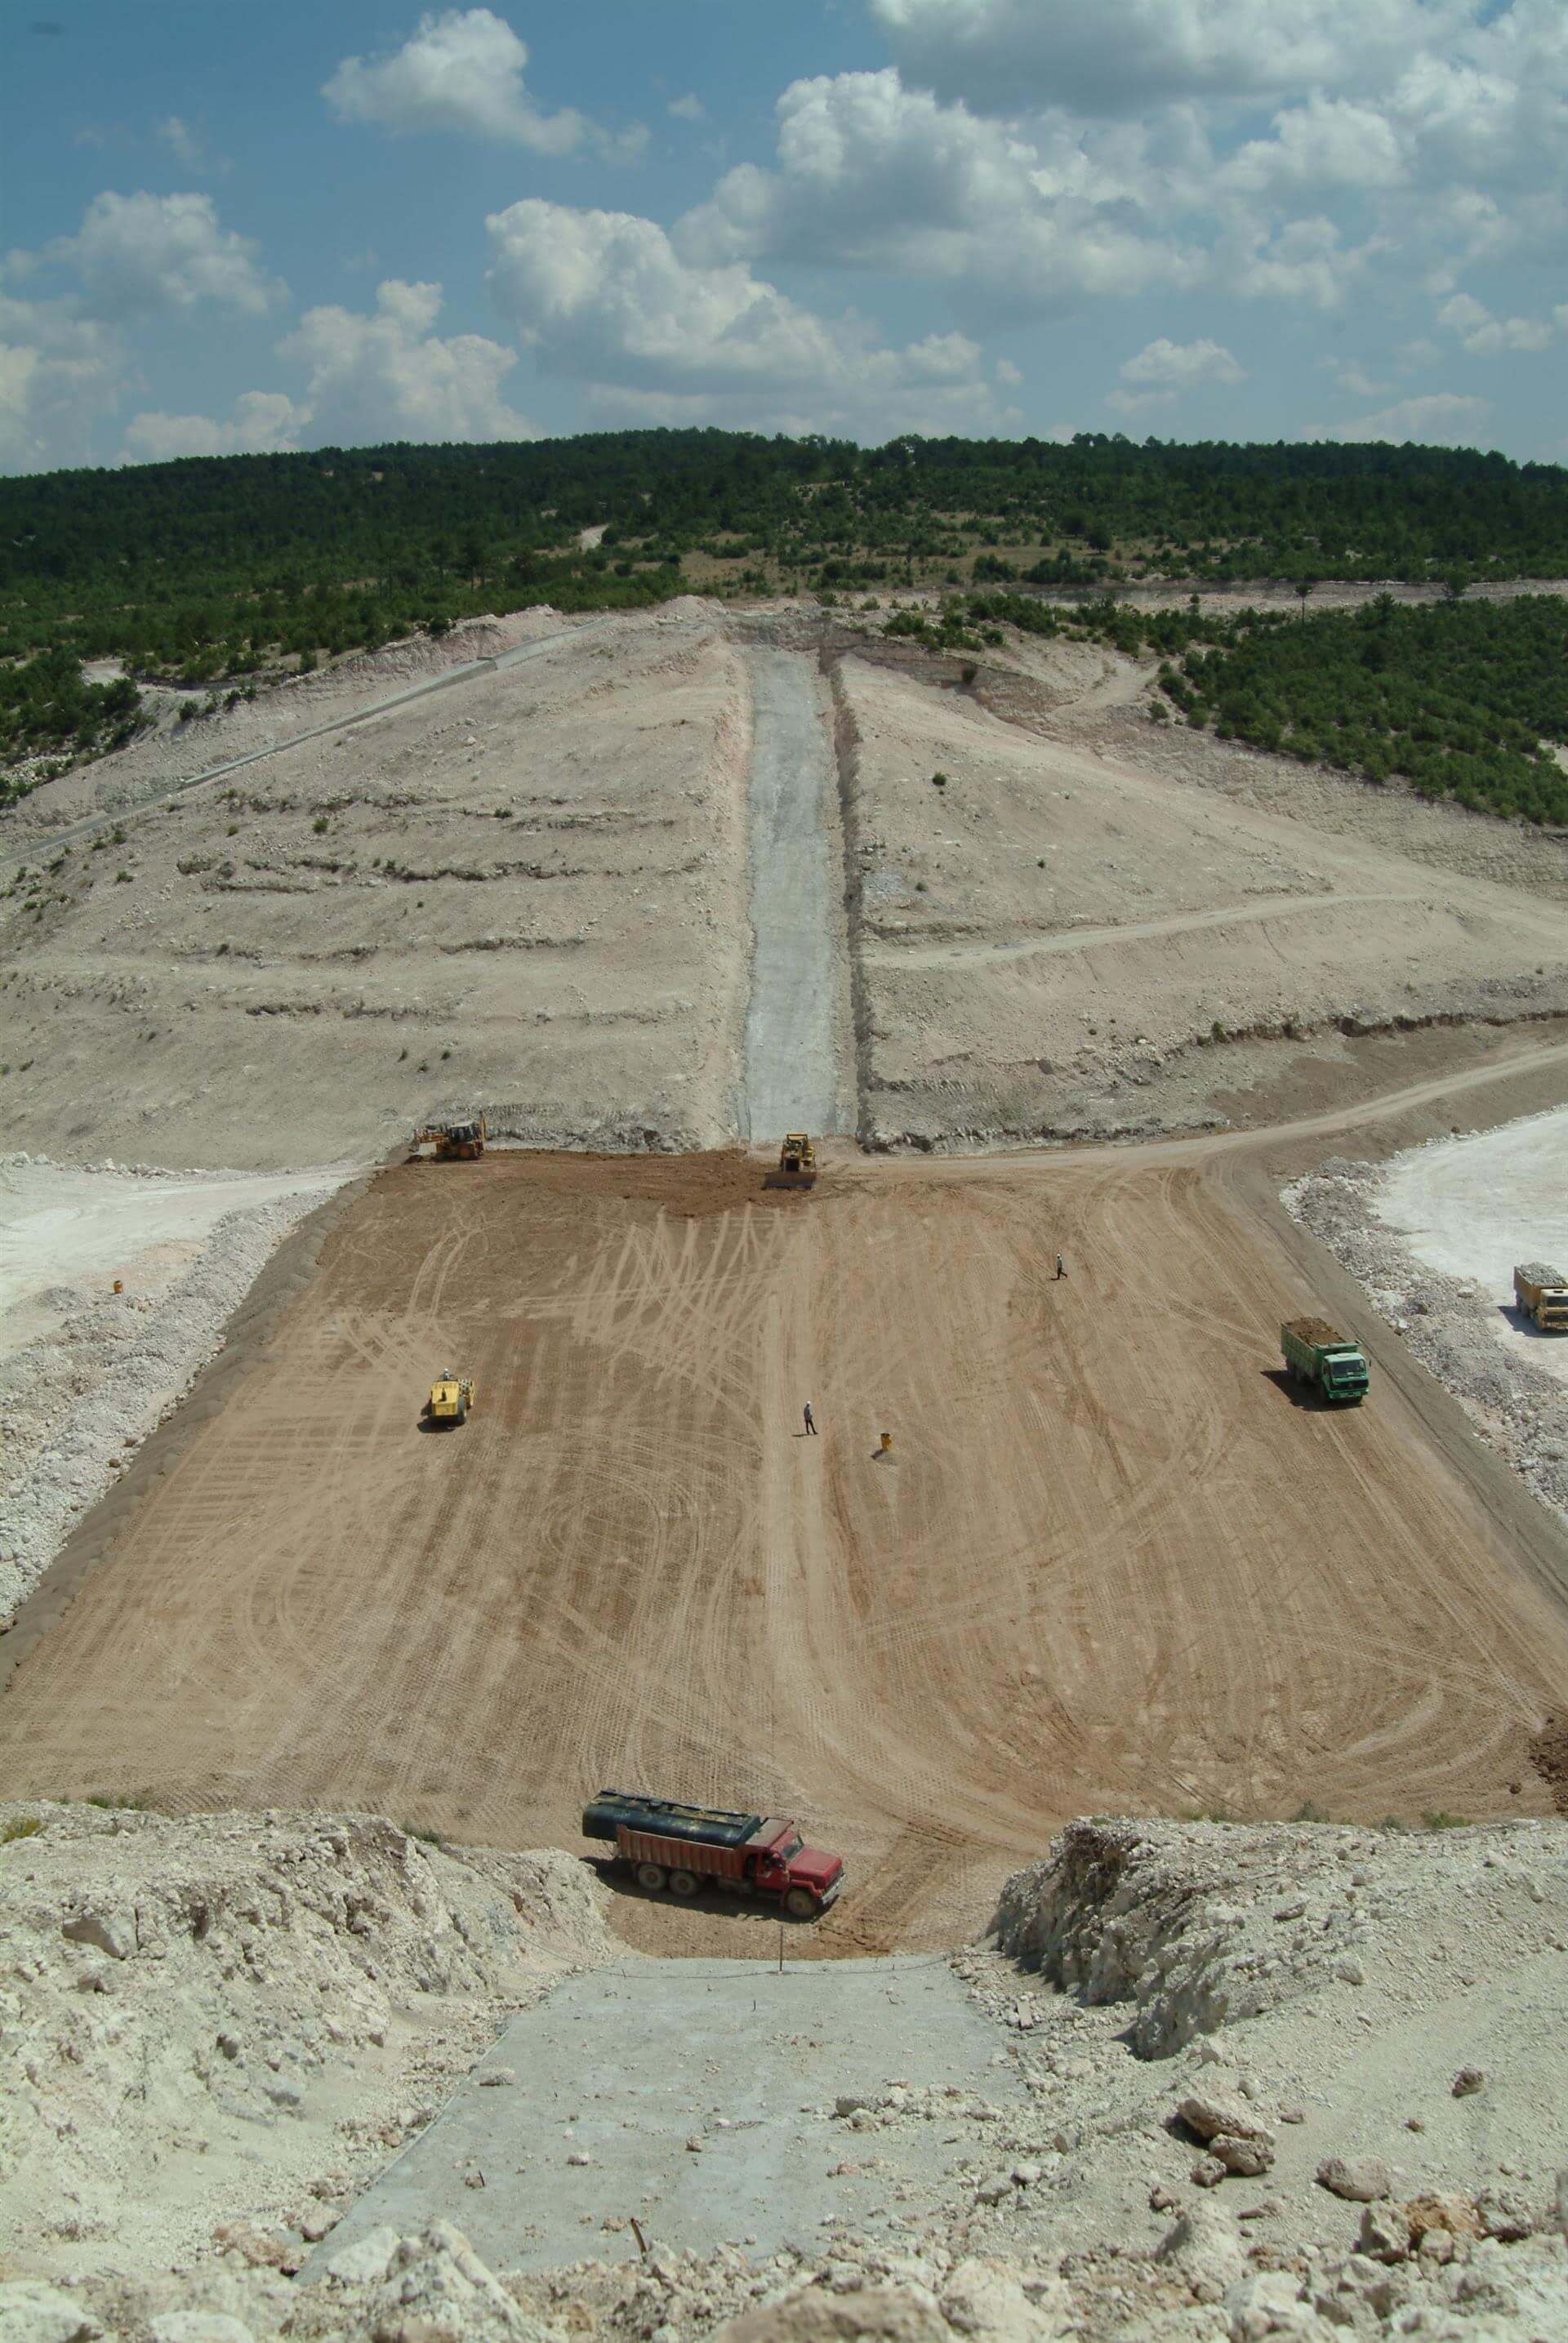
1344	1373
784	1864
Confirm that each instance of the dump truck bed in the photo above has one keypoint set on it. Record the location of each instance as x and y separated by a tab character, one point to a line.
692	1854
1317	1333
1317	1352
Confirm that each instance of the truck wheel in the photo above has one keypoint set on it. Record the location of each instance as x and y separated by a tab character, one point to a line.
800	1904
651	1876
683	1882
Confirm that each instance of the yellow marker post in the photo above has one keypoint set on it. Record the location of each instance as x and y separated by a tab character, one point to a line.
887	1441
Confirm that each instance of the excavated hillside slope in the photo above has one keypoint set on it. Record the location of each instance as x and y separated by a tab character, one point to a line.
526	890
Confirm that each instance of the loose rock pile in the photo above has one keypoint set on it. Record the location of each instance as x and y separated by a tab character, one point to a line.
78	1400
1167	1915
238	2015
1446	2286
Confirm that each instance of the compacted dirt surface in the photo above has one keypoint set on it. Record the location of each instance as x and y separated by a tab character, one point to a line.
1110	1562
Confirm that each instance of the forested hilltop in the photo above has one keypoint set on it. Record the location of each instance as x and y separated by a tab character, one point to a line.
208	564
213	570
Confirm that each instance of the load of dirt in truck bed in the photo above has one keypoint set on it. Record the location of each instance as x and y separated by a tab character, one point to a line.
1313	1330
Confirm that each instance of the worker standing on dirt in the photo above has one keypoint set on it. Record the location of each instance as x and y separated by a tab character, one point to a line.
1060	1266
810	1422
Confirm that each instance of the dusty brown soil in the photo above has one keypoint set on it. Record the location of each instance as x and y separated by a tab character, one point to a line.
1110	1562
1549	1756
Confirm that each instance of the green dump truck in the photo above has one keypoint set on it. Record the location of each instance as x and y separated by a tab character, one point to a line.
1315	1352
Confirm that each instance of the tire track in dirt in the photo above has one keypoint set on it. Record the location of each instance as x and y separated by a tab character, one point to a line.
1082	940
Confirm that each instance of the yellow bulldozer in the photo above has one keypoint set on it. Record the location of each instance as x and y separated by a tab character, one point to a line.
451	1399
453	1142
797	1161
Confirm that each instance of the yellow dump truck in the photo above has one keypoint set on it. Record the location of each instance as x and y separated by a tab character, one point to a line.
451	1399
1542	1293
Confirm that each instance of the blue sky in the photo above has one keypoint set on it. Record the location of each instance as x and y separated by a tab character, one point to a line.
232	227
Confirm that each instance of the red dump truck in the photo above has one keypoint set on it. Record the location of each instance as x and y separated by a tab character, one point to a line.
684	1848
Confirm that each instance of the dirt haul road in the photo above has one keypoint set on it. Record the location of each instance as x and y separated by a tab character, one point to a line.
1110	1562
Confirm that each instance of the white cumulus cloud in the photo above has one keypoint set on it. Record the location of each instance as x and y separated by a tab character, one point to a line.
1429	136
1484	336
1117	55
263	423
386	375
188	146
60	374
1440	418
66	359
365	377
1326	142
137	256
873	175
1305	264
1182	365
605	297
463	70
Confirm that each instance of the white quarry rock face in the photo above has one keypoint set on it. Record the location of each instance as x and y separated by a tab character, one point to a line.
254	1995
32	2312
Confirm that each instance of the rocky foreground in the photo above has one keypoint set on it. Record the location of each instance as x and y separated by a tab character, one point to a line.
1295	2080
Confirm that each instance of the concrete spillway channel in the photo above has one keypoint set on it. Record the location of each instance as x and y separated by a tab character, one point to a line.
798	1056
613	2074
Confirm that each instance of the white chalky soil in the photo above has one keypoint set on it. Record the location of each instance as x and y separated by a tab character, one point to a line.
1471	1207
